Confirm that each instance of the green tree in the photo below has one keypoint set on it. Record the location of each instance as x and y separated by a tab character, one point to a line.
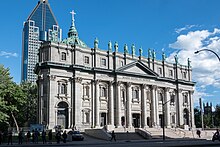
11	98
30	111
217	115
197	114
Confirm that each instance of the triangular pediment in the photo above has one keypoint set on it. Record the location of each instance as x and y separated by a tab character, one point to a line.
137	68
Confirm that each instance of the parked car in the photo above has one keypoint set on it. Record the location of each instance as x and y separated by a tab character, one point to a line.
76	135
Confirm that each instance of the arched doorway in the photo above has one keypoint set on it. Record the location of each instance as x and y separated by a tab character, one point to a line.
62	114
136	120
186	116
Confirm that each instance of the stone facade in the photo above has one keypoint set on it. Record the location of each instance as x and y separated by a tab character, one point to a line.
86	87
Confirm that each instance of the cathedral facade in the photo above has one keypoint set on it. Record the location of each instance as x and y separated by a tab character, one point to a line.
87	87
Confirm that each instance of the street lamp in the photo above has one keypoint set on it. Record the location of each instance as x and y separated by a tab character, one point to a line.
196	52
163	104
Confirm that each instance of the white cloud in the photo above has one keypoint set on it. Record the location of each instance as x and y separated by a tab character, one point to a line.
205	65
187	27
8	54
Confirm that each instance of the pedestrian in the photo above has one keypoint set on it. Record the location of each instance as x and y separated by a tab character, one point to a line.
28	136
10	137
20	137
1	137
33	136
36	135
58	136
113	136
43	134
50	136
64	135
198	132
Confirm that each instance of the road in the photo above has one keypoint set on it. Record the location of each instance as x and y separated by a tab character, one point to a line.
133	143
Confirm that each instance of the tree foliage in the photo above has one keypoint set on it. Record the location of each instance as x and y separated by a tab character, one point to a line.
15	101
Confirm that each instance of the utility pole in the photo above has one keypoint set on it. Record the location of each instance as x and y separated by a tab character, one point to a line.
201	110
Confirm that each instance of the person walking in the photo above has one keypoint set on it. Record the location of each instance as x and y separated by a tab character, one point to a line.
64	135
198	132
43	135
113	136
58	136
50	136
20	137
1	136
10	137
28	136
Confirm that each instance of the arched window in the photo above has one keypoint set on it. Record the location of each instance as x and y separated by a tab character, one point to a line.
87	91
135	93
103	92
160	97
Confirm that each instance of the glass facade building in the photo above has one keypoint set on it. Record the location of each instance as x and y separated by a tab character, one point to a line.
40	26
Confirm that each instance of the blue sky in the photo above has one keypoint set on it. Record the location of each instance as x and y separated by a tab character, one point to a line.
176	26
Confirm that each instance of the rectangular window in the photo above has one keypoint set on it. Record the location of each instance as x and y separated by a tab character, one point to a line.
170	73
160	71
63	56
86	60
184	75
103	62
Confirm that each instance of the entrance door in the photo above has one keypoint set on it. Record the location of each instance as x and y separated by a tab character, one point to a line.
103	119
136	120
62	114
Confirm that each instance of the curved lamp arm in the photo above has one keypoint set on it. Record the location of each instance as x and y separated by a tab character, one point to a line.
209	51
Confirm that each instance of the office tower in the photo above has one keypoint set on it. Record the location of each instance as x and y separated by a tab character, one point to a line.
40	26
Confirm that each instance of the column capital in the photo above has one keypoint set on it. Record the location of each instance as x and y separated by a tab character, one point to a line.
154	87
144	86
78	79
52	77
111	82
119	83
128	84
167	89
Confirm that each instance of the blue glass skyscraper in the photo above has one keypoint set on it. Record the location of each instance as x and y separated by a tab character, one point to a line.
41	25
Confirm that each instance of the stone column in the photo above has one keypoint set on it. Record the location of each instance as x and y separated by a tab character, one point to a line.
154	106
167	107
78	102
93	103
128	105
192	109
144	106
111	104
179	108
97	104
51	85
157	108
118	105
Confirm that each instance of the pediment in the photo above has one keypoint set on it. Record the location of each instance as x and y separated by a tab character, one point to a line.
136	68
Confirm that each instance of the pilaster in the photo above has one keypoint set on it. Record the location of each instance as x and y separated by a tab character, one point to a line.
97	104
167	107
144	106
118	105
128	105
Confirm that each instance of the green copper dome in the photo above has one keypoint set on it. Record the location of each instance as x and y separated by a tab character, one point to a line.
73	38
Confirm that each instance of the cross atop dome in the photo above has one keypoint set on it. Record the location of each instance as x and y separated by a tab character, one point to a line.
73	18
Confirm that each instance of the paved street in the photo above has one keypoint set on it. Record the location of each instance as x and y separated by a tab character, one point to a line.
125	143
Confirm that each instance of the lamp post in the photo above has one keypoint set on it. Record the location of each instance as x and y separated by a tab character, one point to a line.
209	51
163	104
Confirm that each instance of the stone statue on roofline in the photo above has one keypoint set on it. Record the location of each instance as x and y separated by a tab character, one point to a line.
140	51
149	53
189	62
125	48
116	46
109	46
176	59
133	49
96	43
154	54
163	56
